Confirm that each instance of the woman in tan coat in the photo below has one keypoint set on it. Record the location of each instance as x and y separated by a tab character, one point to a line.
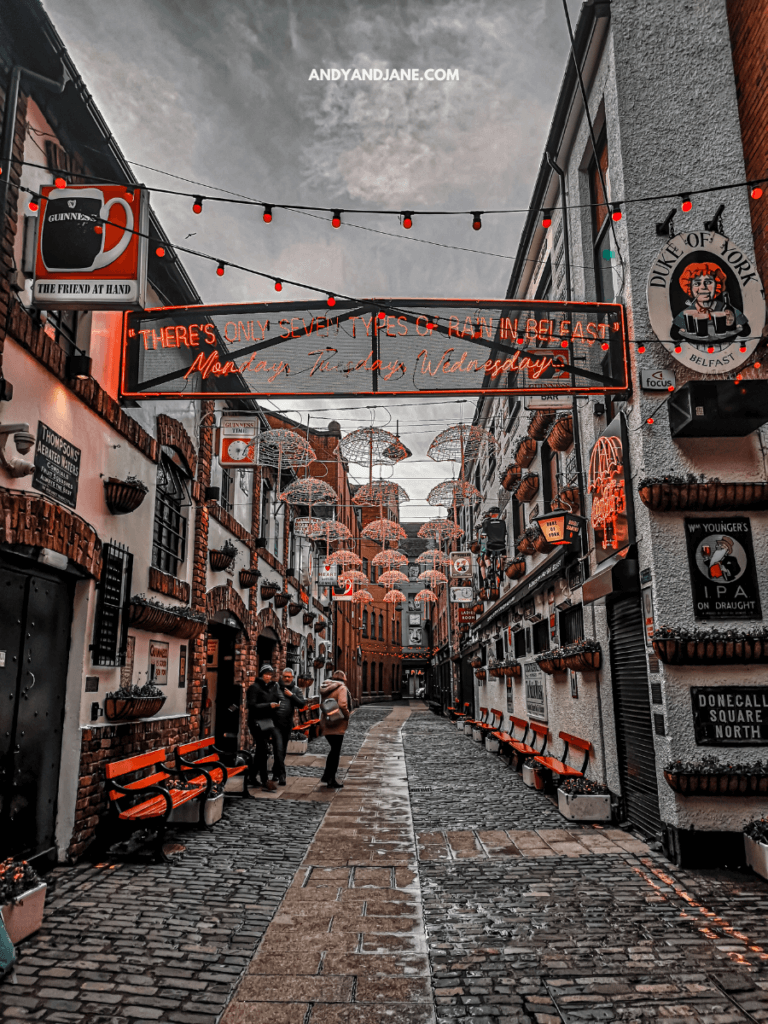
334	728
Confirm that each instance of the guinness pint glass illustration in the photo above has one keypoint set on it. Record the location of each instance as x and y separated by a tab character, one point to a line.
73	235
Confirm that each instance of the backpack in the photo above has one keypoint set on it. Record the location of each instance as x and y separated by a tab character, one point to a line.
332	713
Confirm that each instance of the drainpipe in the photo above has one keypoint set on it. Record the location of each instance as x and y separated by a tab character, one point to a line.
9	123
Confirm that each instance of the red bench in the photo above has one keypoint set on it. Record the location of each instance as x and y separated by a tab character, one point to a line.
558	765
214	766
478	723
152	797
520	747
495	726
307	717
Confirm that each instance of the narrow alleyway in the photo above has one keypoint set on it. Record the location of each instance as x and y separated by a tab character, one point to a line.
433	886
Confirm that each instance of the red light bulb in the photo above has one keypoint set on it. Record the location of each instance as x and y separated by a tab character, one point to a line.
331	300
650	420
220	270
605	346
742	348
686	205
278	286
60	182
160	251
381	314
710	348
563	343
407	220
641	348
476	221
678	348
616	212
197	206
756	365
671	387
267	215
756	191
34	205
546	220
336	221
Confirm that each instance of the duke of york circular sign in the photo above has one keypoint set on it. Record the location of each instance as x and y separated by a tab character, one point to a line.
705	298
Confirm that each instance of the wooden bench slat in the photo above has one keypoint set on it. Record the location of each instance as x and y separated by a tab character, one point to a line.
134	764
188	748
575	741
519	722
558	767
540	728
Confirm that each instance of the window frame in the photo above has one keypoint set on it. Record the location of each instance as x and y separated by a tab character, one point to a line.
169	519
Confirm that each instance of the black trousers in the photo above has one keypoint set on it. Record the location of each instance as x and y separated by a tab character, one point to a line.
332	761
261	743
285	734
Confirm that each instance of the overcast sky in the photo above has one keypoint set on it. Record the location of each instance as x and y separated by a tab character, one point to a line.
218	91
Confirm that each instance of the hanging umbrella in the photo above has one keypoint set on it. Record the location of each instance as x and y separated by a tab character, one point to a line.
321	529
309	491
440	530
383	530
284	446
372	446
432	577
450	492
433	559
394	597
380	492
459	442
389	559
390	578
362	597
425	595
344	557
352	575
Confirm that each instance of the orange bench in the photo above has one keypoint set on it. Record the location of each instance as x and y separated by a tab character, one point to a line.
454	711
158	793
214	766
495	726
307	717
559	765
520	747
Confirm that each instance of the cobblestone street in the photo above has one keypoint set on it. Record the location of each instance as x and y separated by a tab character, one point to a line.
434	886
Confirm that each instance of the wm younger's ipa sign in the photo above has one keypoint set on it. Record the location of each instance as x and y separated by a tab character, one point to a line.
424	347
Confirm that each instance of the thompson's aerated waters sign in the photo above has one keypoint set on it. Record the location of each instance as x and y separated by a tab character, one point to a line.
418	347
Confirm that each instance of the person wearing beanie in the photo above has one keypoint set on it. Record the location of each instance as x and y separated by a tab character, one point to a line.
334	722
263	701
289	698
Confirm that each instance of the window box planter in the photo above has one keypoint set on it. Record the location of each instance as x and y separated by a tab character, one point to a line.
675	494
222	558
528	487
309	618
525	452
512	669
189	813
476	661
294	607
711	778
124	709
481	675
583	661
582	656
123	496
511	476
24	915
249	578
584	806
532	778
560	436
539	424
710	646
152	617
268	591
515	569
319	627
757	856
281	600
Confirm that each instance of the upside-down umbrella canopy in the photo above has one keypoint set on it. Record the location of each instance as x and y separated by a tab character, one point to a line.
354	576
433	559
425	595
321	529
389	559
284	446
432	577
394	597
459	442
309	491
391	577
372	446
362	597
380	492
384	529
451	492
344	557
440	530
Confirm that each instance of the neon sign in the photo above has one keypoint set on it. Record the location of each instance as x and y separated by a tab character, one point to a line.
427	347
611	509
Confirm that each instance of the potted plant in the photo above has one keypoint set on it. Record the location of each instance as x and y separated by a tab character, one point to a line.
756	846
476	661
581	656
124	496
281	599
249	578
481	675
22	899
309	618
689	494
570	497
546	662
525	452
304	680
493	593
494	668
131	702
528	487
710	777
540	542
539	424
510	476
515	569
149	615
677	645
513	668
221	558
211	808
268	591
294	607
524	543
581	799
560	436
320	626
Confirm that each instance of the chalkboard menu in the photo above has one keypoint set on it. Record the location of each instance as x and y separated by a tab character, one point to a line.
730	716
57	466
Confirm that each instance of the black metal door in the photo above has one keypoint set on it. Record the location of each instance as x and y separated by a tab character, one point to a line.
634	728
228	696
35	620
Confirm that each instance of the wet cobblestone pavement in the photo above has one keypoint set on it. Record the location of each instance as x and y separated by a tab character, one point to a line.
433	889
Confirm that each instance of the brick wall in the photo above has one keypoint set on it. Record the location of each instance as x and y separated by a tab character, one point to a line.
28	518
163	583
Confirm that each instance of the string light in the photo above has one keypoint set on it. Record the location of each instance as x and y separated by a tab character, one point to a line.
267	215
686	204
756	191
605	346
650	420
641	348
407	220
546	220
476	221
331	300
60	182
278	285
678	348
616	211
381	314
220	270
160	251
197	206
563	343
336	221
742	348
34	205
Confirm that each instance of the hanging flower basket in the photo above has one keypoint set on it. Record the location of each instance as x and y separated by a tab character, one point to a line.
493	594
122	710
515	569
474	547
513	669
708	777
309	618
524	544
249	578
318	662
541	544
675	494
582	656
304	681
480	673
570	497
295	607
525	452
281	600
539	424
268	591
476	661
511	476
152	617
123	496
560	436
478	608
483	594
528	487
222	558
711	646
320	626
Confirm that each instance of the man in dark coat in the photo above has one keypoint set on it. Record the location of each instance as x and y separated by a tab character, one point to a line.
290	698
263	700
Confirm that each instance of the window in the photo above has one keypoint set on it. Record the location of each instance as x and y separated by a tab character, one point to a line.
541	636
365	567
519	638
572	624
169	540
61	325
365	676
549	475
381	626
601	223
381	677
265	516
365	623
227	499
